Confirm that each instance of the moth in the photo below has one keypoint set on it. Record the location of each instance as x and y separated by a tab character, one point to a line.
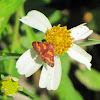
46	52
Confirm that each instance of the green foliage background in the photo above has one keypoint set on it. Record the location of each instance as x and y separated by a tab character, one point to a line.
16	38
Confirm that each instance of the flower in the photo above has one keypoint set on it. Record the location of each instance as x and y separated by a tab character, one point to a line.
9	86
62	41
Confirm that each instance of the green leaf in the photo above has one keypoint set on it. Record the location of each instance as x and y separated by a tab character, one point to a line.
8	7
90	42
46	1
65	62
2	76
14	72
94	23
26	42
3	22
66	90
55	16
91	79
40	36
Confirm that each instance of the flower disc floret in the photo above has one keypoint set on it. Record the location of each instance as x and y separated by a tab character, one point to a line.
9	87
59	37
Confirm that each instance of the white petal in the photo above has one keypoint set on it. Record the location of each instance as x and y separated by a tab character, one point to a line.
28	63
80	32
36	20
80	55
50	76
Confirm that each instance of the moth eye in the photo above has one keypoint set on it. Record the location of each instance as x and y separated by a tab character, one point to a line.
43	40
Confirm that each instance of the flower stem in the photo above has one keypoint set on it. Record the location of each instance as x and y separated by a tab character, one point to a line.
31	96
4	97
89	43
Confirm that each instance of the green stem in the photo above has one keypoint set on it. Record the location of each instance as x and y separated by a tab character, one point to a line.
4	97
16	31
14	40
7	56
89	43
31	96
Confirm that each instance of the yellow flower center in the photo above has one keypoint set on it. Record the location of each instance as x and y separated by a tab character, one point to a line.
9	87
59	38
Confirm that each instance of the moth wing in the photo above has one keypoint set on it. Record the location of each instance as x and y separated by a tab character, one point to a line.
40	47
48	56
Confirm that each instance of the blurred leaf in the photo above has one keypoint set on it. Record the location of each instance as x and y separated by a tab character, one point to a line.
95	18
46	1
2	76
91	79
8	7
90	42
3	22
65	62
7	31
5	59
30	33
14	72
35	4
40	36
57	17
66	89
1	97
25	42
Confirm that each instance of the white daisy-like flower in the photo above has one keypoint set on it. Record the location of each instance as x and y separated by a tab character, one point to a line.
62	41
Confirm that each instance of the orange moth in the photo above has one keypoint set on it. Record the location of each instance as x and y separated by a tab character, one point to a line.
46	52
